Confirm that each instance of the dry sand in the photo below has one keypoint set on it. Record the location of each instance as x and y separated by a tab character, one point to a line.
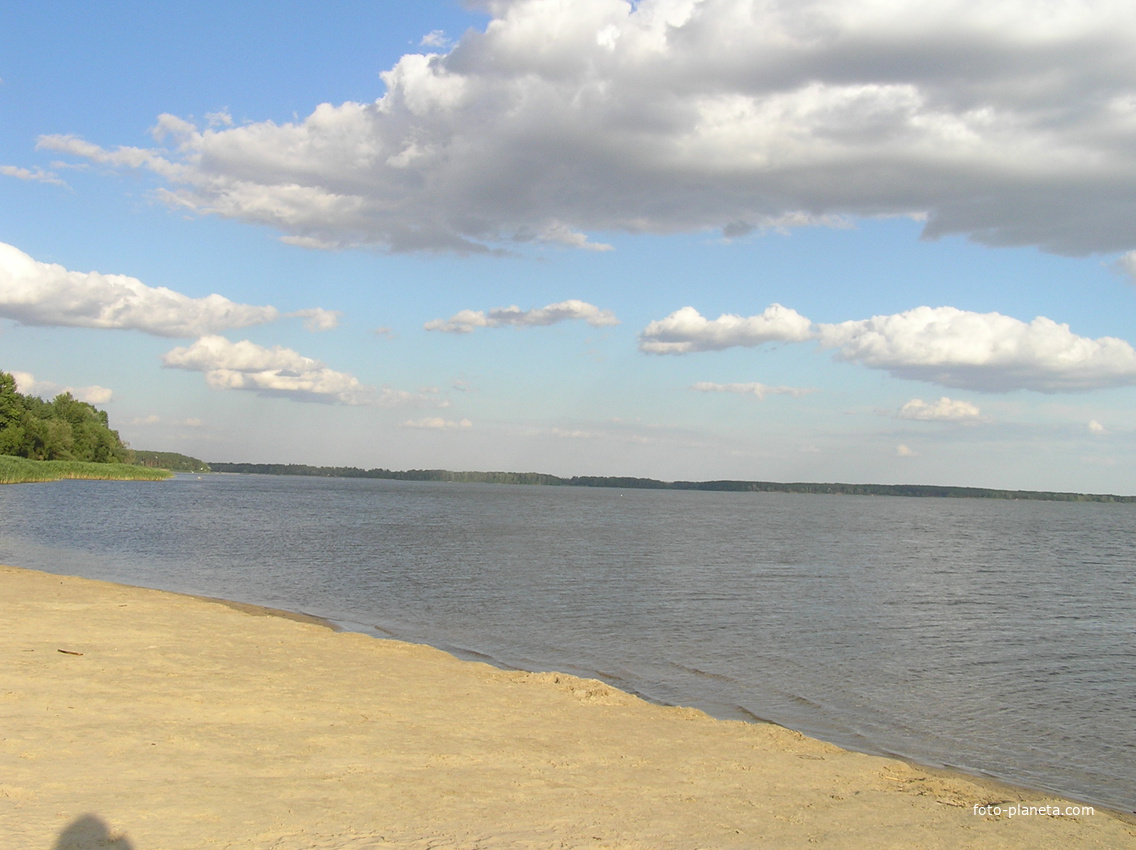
132	718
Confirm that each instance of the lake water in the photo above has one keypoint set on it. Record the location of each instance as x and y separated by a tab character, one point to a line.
997	637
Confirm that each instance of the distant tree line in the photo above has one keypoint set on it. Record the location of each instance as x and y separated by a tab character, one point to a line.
62	429
391	474
922	490
173	461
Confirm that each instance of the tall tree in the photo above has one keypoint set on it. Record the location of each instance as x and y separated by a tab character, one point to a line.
63	429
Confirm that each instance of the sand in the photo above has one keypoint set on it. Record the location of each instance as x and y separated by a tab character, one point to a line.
138	719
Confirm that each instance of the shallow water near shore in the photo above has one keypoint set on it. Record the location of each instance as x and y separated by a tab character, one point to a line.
992	636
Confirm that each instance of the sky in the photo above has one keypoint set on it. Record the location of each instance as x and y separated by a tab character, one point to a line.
883	241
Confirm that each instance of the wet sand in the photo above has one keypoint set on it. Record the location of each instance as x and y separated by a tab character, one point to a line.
132	718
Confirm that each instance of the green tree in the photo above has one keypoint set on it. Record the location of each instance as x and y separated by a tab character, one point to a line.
11	416
63	429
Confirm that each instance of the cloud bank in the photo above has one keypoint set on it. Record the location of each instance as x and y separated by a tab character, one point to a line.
1010	122
465	321
987	352
35	293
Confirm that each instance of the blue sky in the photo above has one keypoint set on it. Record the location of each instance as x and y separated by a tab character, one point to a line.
686	239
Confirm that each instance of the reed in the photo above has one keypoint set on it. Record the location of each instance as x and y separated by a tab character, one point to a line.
18	470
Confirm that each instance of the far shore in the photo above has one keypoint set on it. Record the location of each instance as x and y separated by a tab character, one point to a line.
140	719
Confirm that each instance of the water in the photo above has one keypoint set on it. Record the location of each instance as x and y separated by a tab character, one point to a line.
992	636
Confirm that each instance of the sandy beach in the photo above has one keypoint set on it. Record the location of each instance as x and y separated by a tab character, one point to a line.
139	719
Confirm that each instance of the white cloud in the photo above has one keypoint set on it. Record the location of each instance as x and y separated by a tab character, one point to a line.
1009	121
426	397
466	321
318	319
943	410
988	352
1127	264
686	330
268	371
220	118
28	385
903	450
760	391
436	38
1095	427
39	175
35	293
437	423
93	394
612	431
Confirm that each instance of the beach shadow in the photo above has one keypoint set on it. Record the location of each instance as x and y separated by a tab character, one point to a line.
89	833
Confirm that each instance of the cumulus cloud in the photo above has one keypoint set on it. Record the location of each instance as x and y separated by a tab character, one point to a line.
943	410
38	175
954	348
686	330
902	450
1008	121
437	423
1095	427
35	293
27	384
1127	264
988	352
760	391
466	321
275	371
318	319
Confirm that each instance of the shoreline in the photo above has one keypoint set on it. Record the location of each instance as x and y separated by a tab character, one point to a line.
191	721
473	656
19	470
987	780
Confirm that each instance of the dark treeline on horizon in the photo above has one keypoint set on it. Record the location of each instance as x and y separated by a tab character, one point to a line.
540	478
173	461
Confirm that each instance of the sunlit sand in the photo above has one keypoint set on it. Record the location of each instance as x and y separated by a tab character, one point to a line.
139	719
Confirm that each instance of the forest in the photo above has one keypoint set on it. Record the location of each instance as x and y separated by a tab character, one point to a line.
623	482
61	429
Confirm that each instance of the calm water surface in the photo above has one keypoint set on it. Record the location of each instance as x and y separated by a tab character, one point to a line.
993	636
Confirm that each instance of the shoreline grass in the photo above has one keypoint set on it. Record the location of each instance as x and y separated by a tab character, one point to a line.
19	470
